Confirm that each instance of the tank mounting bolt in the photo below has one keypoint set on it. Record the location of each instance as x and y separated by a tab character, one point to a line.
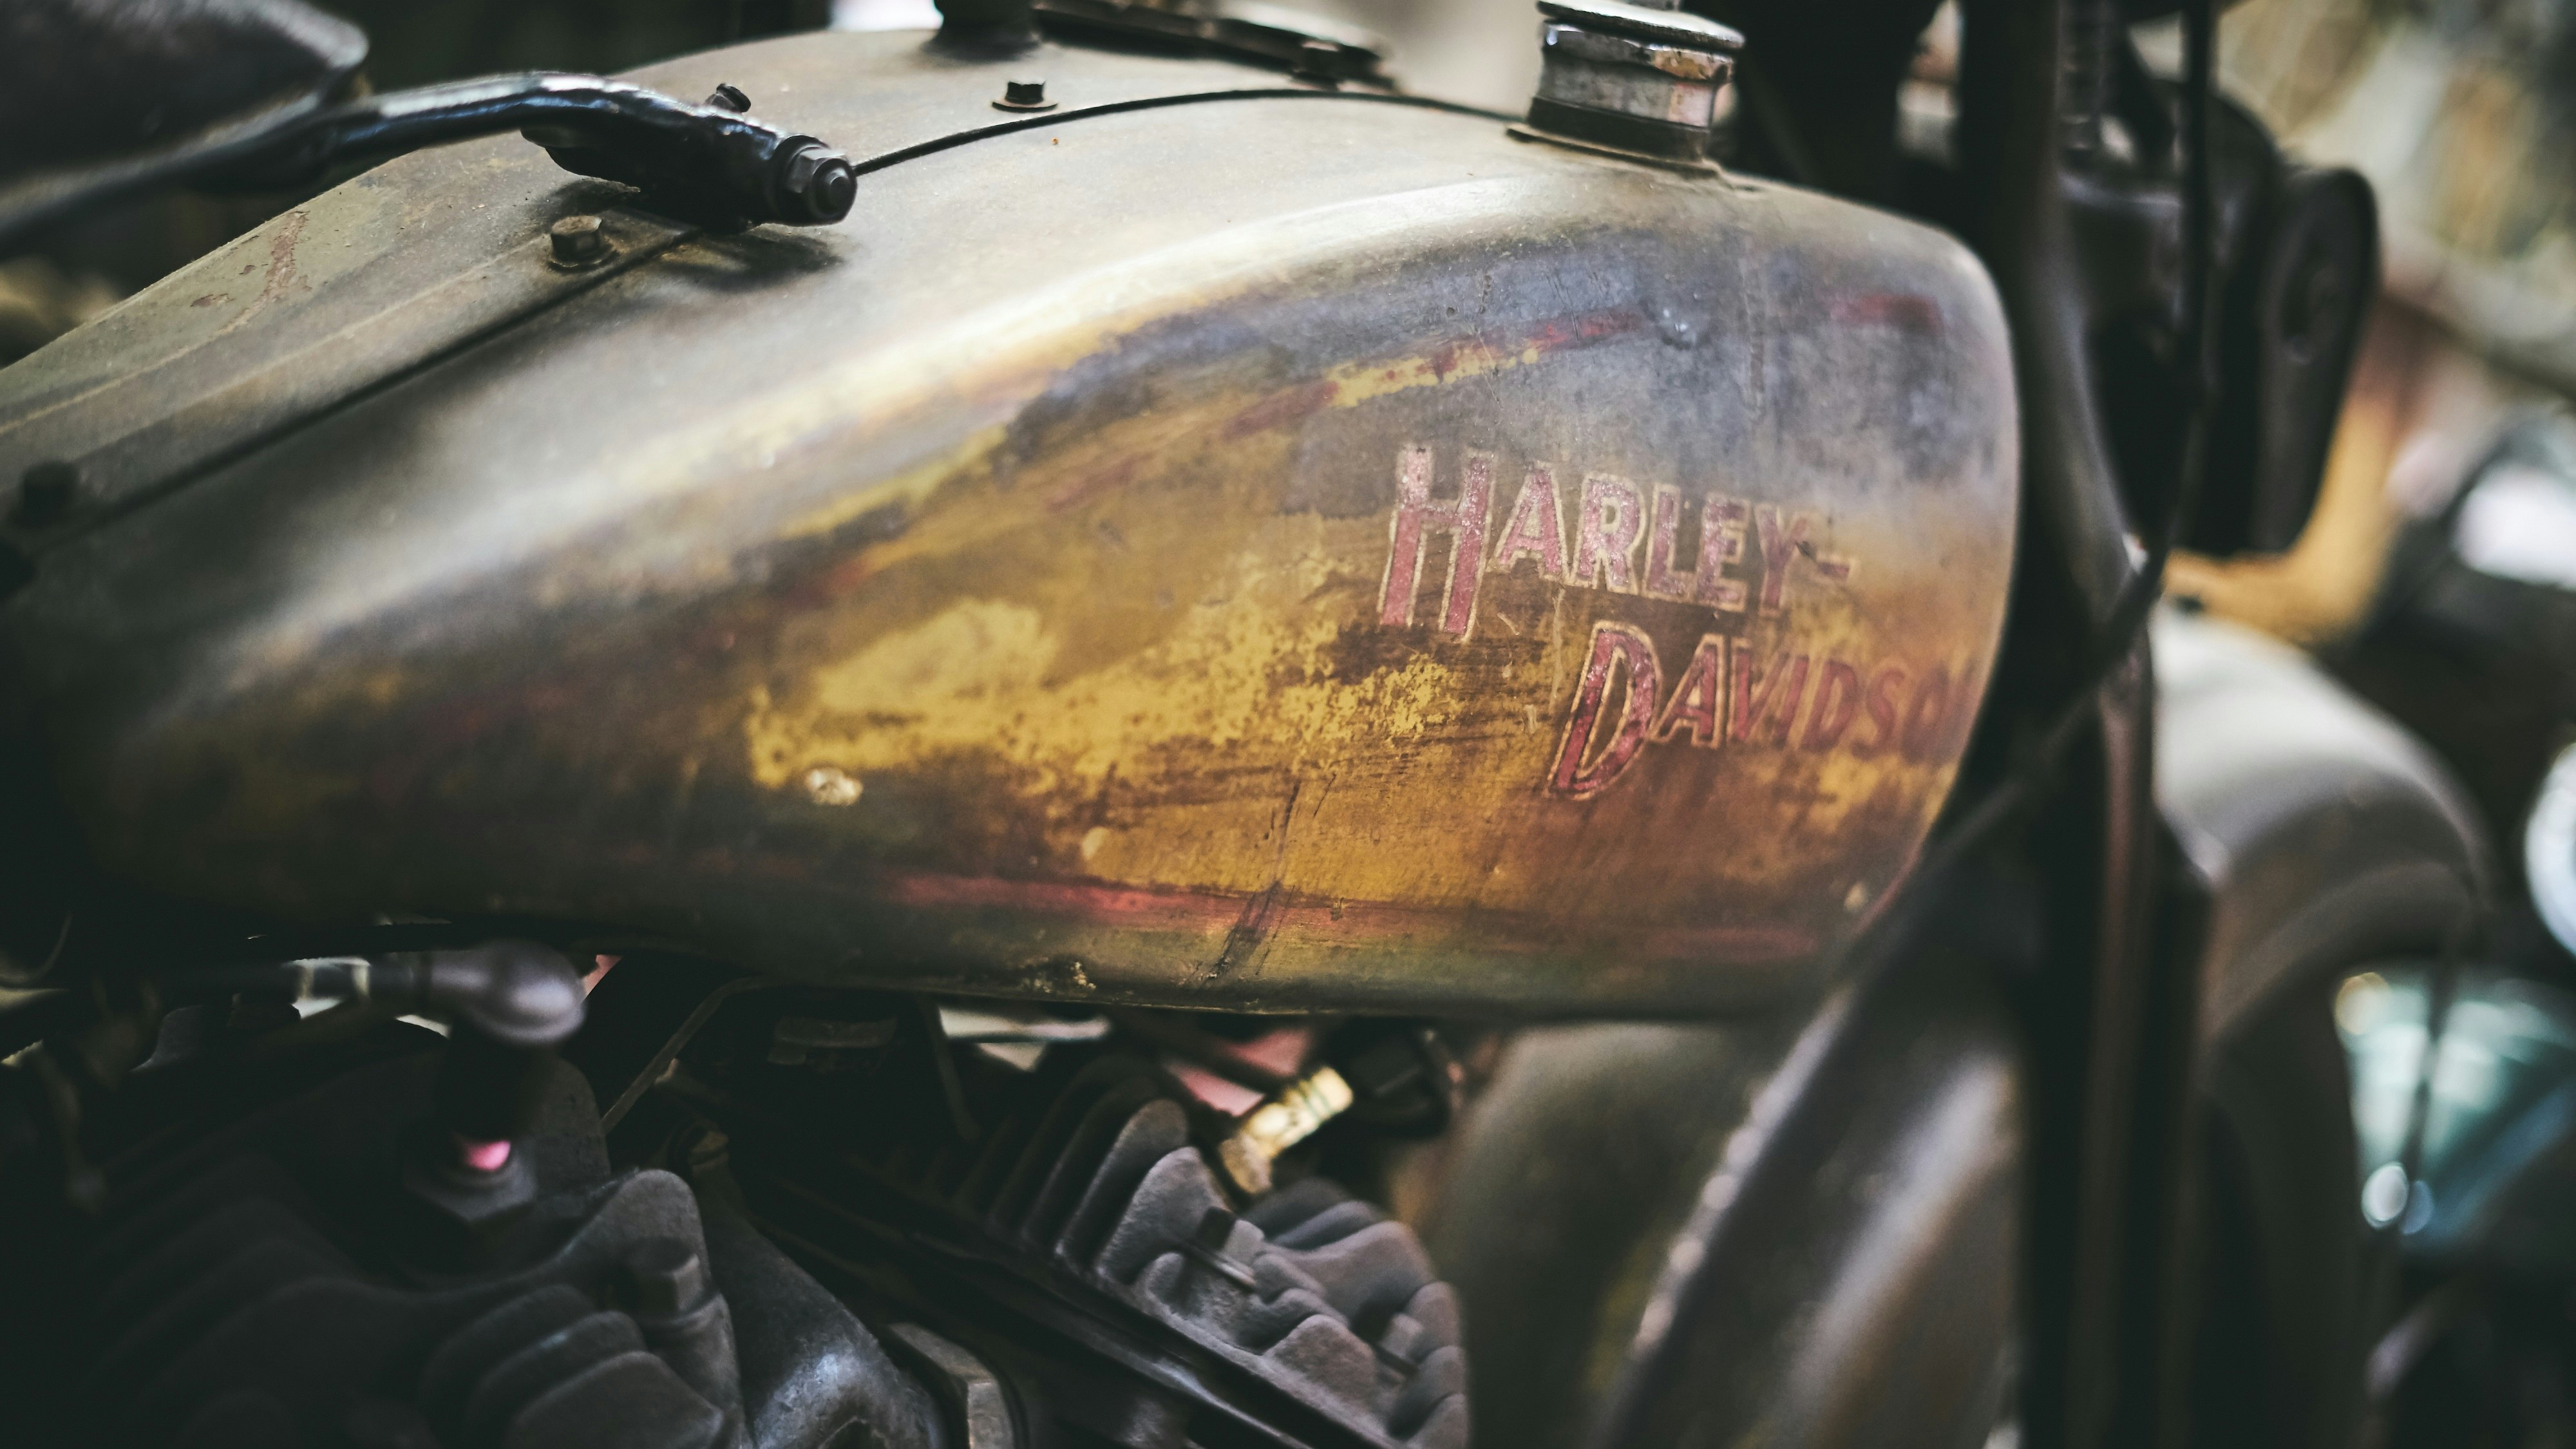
729	97
1319	61
1024	95
577	241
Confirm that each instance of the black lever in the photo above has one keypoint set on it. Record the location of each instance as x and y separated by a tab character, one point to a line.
508	1005
705	163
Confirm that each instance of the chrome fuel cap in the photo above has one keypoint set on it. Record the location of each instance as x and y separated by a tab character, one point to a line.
1630	79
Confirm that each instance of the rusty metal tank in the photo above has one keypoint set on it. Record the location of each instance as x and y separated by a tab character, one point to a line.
1224	541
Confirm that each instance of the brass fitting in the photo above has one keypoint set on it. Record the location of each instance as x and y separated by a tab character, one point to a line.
1291	1115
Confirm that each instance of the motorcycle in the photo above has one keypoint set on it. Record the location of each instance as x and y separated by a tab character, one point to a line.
981	783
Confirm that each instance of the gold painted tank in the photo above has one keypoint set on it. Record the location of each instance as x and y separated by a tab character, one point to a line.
1224	542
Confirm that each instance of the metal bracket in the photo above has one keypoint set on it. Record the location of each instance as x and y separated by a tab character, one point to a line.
977	1404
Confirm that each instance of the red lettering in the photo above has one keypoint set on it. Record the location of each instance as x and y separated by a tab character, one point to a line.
1467	546
1924	718
1699	697
1770	695
1463	518
1612	646
1721	542
1882	708
1661	581
1536	529
1837	700
1782	541
1613	518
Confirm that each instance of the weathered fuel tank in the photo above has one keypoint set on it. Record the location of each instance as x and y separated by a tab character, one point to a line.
1223	542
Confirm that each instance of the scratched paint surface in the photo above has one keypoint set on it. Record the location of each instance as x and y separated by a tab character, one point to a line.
1407	641
1500	578
1183	679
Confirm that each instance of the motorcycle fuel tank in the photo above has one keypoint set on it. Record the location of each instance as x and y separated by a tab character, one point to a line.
1224	542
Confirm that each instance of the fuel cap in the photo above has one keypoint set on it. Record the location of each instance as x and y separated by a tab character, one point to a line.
1631	79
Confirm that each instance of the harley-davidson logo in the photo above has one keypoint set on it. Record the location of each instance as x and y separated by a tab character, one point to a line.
1612	516
1724	694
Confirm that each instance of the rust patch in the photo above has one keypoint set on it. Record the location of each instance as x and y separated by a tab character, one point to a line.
1290	405
281	258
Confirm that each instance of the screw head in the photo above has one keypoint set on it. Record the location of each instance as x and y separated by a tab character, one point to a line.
1216	1228
577	241
1319	61
1026	94
663	1277
729	97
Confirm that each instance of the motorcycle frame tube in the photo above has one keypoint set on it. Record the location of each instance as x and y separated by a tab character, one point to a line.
2107	1016
2108	996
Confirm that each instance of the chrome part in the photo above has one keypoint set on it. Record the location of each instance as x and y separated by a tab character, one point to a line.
1630	77
1015	1036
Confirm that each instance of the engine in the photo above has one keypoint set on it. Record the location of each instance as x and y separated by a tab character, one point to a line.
807	1218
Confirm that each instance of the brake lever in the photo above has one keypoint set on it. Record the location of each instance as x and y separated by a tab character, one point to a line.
704	163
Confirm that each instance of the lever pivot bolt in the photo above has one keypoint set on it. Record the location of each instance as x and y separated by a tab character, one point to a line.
1024	95
663	1278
